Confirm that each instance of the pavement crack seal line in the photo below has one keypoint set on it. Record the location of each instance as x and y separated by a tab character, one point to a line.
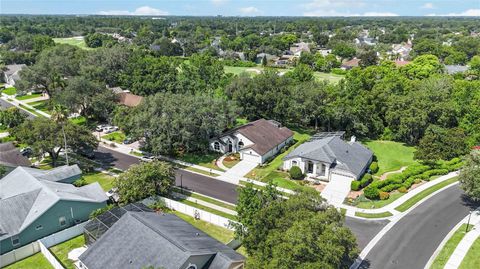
389	226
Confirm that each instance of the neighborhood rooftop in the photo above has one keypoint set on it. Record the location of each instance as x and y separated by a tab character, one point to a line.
158	240
11	156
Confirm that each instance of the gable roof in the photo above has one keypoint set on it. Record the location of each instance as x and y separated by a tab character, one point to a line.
352	63
153	239
13	71
26	194
264	134
129	99
11	156
352	156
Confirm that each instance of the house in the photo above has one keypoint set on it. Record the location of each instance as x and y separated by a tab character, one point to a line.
257	141
269	57
142	239
35	203
365	40
453	69
401	51
350	64
298	48
11	157
12	73
328	157
129	99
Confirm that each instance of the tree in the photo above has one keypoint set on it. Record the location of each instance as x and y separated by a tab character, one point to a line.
441	144
300	232
475	63
368	58
301	73
45	136
11	117
469	179
60	116
144	180
423	67
96	40
343	50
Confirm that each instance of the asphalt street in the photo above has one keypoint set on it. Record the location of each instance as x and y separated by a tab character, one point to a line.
364	230
5	105
412	240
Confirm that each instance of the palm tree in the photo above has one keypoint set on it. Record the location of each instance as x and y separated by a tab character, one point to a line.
60	116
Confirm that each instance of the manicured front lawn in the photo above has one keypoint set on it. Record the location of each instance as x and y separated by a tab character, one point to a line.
61	250
10	91
373	215
105	180
203	159
221	234
29	96
282	180
117	137
415	199
379	203
34	261
472	259
42	106
447	250
391	155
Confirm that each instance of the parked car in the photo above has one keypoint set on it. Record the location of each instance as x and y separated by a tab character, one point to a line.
100	128
147	158
128	141
110	129
26	151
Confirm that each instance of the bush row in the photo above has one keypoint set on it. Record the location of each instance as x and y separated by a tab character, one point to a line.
362	183
413	174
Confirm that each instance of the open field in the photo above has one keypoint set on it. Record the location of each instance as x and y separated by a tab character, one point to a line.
74	41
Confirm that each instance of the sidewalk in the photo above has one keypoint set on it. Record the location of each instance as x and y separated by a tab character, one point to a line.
462	248
17	103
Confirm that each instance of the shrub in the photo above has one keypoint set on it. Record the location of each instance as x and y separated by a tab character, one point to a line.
355	185
374	167
366	179
402	190
371	192
384	195
295	172
80	182
338	71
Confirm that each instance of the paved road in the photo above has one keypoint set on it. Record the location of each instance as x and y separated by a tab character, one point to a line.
364	230
412	240
4	105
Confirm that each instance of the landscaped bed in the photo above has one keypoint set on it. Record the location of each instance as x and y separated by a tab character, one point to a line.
34	261
231	160
447	250
61	250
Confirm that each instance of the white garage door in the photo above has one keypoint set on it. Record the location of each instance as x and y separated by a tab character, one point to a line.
251	158
337	189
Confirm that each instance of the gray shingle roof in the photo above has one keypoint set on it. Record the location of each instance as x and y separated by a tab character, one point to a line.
24	197
153	239
13	71
11	156
352	156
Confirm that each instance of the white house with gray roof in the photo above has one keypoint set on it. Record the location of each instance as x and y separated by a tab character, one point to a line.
35	203
12	73
329	158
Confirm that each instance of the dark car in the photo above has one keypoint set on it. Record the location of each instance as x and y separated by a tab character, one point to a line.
128	141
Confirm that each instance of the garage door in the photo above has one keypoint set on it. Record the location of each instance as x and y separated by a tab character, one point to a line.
337	189
251	158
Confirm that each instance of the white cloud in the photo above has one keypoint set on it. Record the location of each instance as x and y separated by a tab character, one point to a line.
333	13
315	4
249	10
218	2
428	6
141	11
331	8
379	14
466	13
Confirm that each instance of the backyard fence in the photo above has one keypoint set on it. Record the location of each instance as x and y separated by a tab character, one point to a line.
42	245
192	211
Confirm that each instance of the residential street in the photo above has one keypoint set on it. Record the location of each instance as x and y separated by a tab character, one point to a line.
411	242
363	230
4	105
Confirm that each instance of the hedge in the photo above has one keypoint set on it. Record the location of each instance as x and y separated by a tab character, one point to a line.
355	185
373	167
413	174
362	183
296	172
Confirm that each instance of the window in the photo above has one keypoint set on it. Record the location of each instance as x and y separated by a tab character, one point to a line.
62	221
191	266
294	162
216	146
240	144
15	240
39	227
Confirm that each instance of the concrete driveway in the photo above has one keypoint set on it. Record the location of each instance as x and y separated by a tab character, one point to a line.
238	171
337	189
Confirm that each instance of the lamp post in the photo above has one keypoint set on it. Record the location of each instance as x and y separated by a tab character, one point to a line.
468	222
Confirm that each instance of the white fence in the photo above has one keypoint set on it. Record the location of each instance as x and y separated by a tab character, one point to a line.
46	242
194	212
49	256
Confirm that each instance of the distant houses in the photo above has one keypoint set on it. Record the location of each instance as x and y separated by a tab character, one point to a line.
126	98
350	64
12	73
35	203
11	157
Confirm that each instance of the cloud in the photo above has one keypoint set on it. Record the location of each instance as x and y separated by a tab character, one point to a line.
379	14
141	11
331	8
466	13
249	10
333	13
218	2
315	4
427	6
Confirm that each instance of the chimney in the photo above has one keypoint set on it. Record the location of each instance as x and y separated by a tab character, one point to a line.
353	139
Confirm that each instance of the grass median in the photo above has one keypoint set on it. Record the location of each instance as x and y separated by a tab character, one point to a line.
447	250
373	215
420	196
472	260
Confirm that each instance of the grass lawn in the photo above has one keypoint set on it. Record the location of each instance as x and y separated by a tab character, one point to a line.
221	234
418	197
391	155
282	180
448	248
208	209
373	215
472	260
193	169
334	78
61	250
380	203
202	159
79	120
117	136
10	91
41	105
29	96
236	70
204	198
34	261
79	42
106	181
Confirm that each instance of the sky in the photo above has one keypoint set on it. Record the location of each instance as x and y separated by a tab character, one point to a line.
246	7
